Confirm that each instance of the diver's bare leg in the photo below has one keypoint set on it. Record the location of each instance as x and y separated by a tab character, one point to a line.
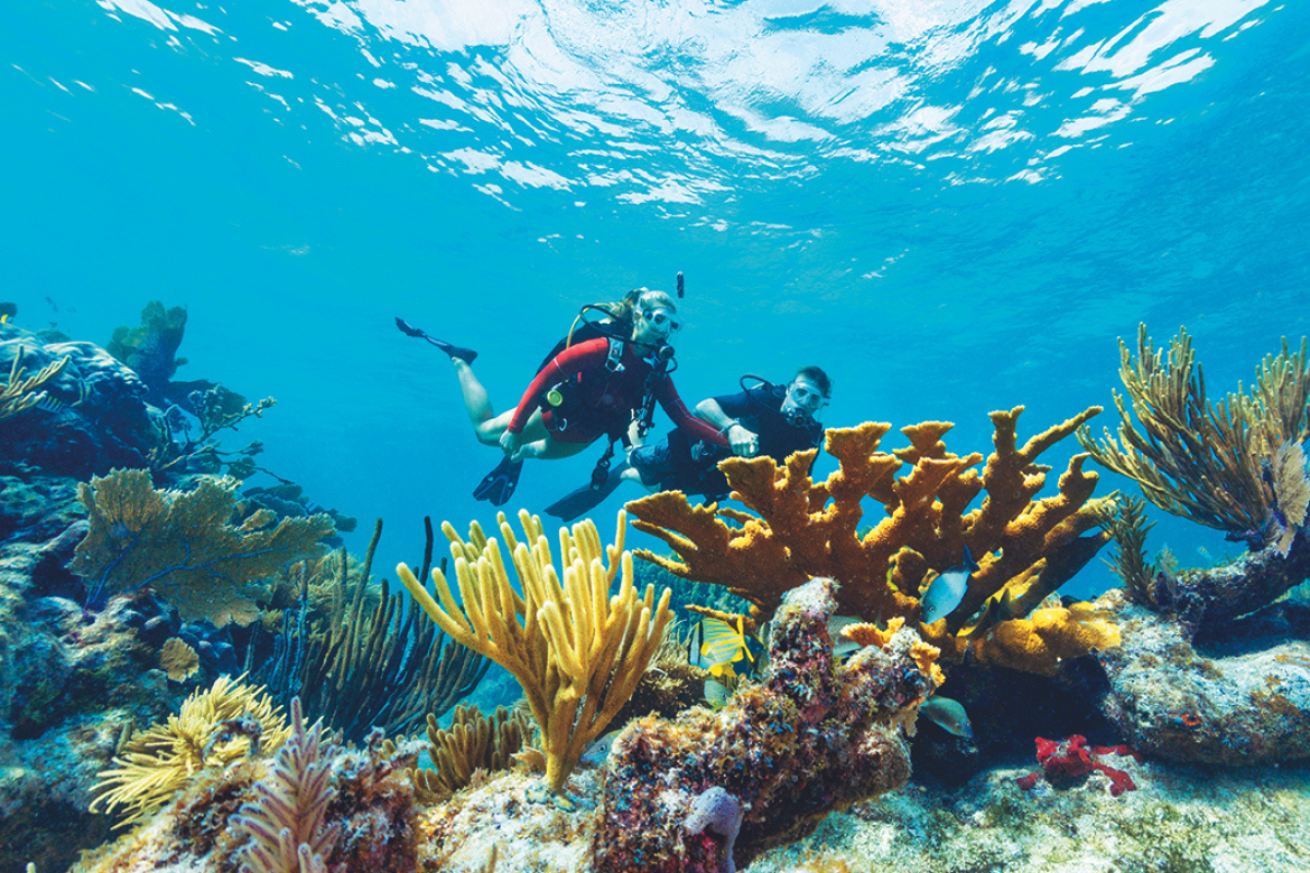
629	474
476	402
549	449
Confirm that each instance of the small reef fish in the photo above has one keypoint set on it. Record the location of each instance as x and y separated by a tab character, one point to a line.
599	750
997	609
716	693
716	646
841	646
7	311
947	590
947	714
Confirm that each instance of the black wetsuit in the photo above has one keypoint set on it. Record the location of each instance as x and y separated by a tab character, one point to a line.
677	463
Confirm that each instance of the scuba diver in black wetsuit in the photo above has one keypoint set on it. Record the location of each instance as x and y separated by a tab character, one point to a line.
762	419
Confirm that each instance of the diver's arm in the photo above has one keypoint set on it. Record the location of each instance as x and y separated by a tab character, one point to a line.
565	365
743	441
694	427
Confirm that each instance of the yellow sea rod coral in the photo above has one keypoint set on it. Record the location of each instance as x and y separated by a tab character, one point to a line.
1197	458
577	650
215	726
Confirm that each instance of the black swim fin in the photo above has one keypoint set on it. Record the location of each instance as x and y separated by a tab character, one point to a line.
466	355
498	485
586	498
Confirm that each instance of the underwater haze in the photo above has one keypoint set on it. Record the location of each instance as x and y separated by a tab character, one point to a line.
952	207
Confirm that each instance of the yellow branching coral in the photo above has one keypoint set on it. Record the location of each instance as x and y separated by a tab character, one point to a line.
184	546
577	650
1199	459
22	392
1026	547
215	726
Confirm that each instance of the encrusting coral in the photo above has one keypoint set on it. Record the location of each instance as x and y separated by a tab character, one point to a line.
183	544
577	650
815	735
215	727
1025	547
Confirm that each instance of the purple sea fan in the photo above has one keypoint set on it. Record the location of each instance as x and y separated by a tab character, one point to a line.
285	821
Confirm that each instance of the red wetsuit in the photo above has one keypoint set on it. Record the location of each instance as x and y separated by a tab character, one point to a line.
602	401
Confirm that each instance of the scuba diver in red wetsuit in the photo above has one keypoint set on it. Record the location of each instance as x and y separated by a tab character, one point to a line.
594	383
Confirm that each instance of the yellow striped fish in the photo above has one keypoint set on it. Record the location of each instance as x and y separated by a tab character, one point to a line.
716	646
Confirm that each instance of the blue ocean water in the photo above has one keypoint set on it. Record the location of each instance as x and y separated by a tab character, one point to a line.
953	207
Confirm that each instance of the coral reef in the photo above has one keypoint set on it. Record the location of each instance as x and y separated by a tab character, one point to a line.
366	801
815	735
1237	696
577	651
73	684
182	544
1026	547
1198	459
94	415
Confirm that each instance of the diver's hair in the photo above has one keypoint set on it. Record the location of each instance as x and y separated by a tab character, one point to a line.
818	377
623	309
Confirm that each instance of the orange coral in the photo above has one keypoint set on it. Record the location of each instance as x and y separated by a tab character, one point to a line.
869	634
1039	643
806	529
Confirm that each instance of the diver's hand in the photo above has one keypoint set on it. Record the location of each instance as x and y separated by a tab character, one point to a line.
511	444
744	443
